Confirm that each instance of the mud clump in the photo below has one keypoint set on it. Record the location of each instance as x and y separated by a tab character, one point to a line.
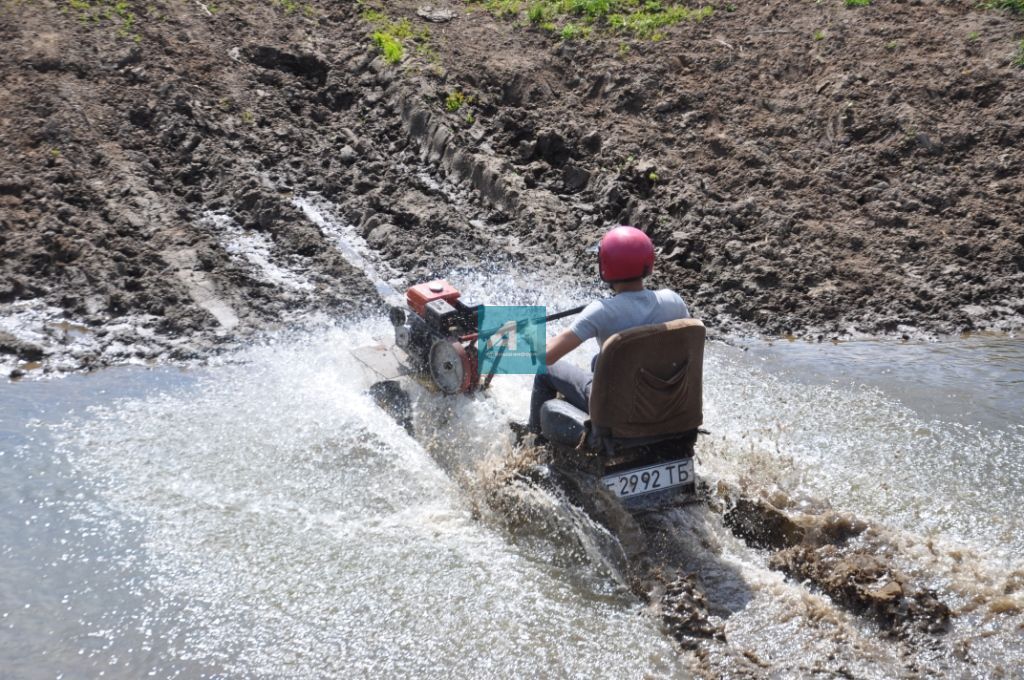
840	556
866	583
685	613
761	525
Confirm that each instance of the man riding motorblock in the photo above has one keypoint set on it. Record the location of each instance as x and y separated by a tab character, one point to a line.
625	257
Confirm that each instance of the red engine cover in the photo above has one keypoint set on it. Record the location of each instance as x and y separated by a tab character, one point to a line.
419	295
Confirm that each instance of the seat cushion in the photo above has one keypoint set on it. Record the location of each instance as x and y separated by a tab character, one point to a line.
562	423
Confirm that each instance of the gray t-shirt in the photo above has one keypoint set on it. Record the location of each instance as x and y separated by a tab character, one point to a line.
604	318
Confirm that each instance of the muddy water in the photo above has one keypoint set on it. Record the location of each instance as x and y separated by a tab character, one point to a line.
928	436
976	380
264	519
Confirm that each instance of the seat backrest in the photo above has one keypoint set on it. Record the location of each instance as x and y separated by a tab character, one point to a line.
648	381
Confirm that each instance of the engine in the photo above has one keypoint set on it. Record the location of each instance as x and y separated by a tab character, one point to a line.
438	332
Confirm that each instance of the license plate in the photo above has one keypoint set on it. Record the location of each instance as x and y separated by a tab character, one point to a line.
639	481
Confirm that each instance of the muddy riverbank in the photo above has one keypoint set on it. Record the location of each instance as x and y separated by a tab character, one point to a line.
812	169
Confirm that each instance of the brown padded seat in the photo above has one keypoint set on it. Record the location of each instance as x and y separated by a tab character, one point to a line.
648	381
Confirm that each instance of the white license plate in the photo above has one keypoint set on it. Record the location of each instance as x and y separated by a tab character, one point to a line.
649	479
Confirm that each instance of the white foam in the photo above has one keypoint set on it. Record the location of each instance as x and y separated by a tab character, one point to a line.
256	250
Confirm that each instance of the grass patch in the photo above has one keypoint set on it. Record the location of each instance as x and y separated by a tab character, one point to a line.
117	13
857	3
1018	60
573	31
539	13
819	35
391	36
390	46
504	8
454	101
572	19
1016	6
647	23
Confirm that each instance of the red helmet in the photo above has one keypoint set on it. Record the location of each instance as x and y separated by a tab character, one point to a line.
625	253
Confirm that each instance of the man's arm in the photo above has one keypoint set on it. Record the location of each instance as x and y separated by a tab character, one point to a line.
560	345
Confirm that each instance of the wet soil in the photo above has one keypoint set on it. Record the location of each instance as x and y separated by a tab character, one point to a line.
803	168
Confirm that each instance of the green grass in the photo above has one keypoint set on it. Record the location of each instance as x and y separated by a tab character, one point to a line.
390	36
819	35
504	8
647	24
857	3
573	31
1018	60
113	12
572	19
1016	6
454	101
538	13
390	46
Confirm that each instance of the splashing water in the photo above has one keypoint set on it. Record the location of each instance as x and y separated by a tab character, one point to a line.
263	518
314	537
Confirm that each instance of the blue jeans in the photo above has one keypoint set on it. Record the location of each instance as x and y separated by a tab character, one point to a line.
562	377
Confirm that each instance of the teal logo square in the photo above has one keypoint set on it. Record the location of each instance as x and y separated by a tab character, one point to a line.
511	340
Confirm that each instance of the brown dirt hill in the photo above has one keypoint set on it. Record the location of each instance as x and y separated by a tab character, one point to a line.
802	167
814	165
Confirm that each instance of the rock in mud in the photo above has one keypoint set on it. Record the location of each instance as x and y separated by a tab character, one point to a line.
347	155
437	15
10	344
574	179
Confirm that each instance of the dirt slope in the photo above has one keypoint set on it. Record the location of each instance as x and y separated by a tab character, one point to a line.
805	168
816	166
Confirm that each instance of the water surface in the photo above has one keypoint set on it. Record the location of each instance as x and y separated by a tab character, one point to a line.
262	518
